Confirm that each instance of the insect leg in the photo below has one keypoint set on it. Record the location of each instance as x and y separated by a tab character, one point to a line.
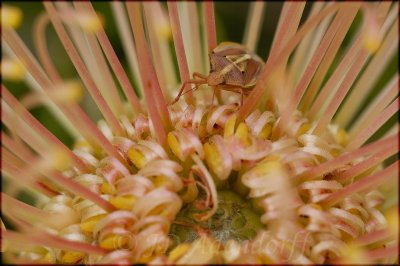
212	99
192	90
191	81
242	97
199	75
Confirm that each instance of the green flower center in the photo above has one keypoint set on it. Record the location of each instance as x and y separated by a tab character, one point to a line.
235	219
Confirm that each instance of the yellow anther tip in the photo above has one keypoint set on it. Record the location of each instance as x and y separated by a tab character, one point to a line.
107	188
81	143
316	206
91	23
268	166
60	159
113	242
174	145
372	44
145	259
160	181
266	132
151	253
242	132
72	91
230	126
271	158
179	251
303	129
72	257
266	260
137	158
341	137
213	158
353	254
12	70
335	153
49	257
90	223
392	218
11	16
87	227
165	32
159	210
208	150
123	202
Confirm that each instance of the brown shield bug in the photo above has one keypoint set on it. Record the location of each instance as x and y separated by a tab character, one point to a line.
232	68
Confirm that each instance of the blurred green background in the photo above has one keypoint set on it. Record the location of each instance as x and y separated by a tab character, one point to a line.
230	19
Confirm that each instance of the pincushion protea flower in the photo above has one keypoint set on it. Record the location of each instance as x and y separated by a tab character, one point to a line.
290	176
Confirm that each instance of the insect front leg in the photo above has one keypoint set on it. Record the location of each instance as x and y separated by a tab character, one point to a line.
199	75
179	94
191	81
